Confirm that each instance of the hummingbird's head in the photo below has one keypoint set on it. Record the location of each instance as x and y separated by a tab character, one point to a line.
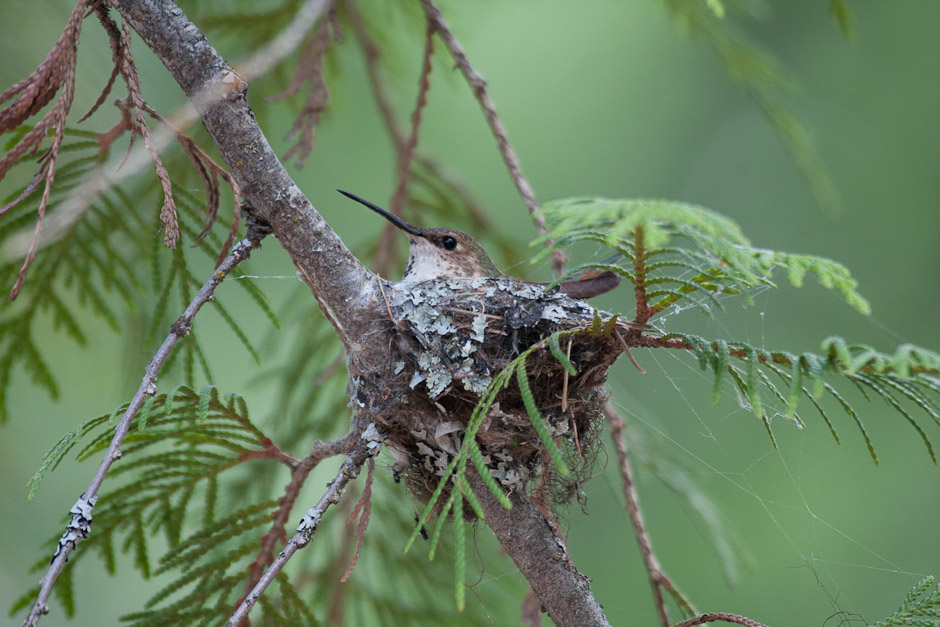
437	253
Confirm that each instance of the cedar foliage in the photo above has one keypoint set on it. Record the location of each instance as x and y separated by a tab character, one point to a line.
170	504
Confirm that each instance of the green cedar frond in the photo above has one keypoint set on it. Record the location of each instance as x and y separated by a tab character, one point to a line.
261	299
64	591
459	461
875	383
469	448
236	329
747	392
377	594
439	526
61	448
535	417
186	442
716	7
468	494
181	279
685	249
90	264
306	367
861	365
186	554
144	414
561	357
906	361
460	556
920	608
25	600
205	394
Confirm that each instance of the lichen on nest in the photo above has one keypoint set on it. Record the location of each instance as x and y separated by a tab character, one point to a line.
453	337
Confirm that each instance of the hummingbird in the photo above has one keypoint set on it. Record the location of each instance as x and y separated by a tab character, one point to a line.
442	253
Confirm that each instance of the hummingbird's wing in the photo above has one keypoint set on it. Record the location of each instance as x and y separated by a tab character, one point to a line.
589	286
593	281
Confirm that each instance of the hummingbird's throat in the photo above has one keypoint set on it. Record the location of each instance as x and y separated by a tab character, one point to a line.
427	262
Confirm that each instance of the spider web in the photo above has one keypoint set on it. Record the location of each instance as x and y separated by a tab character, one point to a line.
821	523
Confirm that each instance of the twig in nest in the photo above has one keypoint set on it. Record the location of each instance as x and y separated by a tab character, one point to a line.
564	388
577	441
626	349
388	307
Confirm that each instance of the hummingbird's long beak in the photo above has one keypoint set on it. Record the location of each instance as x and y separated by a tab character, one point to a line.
404	226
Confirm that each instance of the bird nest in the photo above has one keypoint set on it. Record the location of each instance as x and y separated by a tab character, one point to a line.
453	337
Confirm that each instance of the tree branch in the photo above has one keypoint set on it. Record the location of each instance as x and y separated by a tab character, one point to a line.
658	579
369	444
79	525
530	540
301	469
720	616
478	85
371	54
339	282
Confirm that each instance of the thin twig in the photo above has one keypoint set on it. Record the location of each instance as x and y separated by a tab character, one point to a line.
435	171
302	468
270	450
309	70
407	151
209	172
658	579
363	511
82	196
288	40
564	392
386	254
371	53
626	349
366	446
79	525
336	604
168	212
534	543
722	616
478	85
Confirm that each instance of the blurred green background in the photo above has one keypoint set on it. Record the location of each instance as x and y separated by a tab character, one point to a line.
614	99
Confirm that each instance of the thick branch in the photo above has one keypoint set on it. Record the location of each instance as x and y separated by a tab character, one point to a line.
336	277
541	556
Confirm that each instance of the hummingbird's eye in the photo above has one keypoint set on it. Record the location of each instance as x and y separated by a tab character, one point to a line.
448	242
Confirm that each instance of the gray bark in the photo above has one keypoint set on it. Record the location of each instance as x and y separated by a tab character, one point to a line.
347	292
